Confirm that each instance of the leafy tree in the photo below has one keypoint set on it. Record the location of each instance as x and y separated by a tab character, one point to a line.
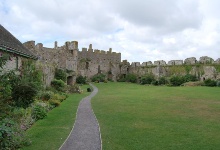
60	75
81	80
23	95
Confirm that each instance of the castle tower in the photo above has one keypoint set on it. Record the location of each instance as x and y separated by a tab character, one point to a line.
75	49
90	48
55	45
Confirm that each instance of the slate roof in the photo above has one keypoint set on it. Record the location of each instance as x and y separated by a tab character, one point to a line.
11	44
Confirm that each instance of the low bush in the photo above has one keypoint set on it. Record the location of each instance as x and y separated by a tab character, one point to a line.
190	77
23	95
162	81
218	83
131	78
38	112
147	79
59	85
155	82
89	90
210	82
81	80
24	116
11	136
121	80
60	97
45	95
196	83
177	80
54	103
98	77
74	89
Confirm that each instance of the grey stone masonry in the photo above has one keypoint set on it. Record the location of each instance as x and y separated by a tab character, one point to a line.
175	62
190	61
159	62
206	59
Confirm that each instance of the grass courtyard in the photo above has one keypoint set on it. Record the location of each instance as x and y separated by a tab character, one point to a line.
137	117
51	132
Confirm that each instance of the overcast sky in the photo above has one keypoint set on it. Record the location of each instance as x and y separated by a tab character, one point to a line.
142	30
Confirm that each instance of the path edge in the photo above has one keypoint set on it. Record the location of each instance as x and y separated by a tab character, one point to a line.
77	116
100	135
73	125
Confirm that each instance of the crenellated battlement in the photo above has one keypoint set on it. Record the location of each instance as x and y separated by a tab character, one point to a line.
97	51
187	61
89	61
99	55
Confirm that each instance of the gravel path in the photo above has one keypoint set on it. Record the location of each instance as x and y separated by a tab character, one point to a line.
86	132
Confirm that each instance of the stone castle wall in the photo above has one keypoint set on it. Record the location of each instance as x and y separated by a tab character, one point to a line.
92	62
64	57
205	68
89	62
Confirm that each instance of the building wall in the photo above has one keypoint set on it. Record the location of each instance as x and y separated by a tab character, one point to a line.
14	62
92	62
89	62
64	57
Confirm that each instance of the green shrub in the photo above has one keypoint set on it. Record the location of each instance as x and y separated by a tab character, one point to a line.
147	79
60	75
89	90
54	103
218	83
210	82
155	82
45	95
162	81
74	89
81	80
121	80
30	74
98	77
59	85
39	112
60	97
23	95
177	80
131	78
11	136
190	77
24	117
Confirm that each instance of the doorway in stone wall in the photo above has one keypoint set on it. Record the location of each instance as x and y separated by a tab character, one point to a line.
99	70
70	80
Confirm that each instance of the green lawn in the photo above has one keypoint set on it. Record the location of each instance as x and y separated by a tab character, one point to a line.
51	132
137	117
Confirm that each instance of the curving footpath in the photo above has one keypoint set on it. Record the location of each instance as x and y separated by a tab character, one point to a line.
86	132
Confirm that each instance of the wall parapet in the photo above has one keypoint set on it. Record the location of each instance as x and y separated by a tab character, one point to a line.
187	61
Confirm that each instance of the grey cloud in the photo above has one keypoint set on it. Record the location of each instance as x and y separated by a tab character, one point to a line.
134	27
171	15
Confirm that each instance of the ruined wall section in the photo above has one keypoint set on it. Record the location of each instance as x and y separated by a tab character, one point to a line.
204	68
64	57
92	62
